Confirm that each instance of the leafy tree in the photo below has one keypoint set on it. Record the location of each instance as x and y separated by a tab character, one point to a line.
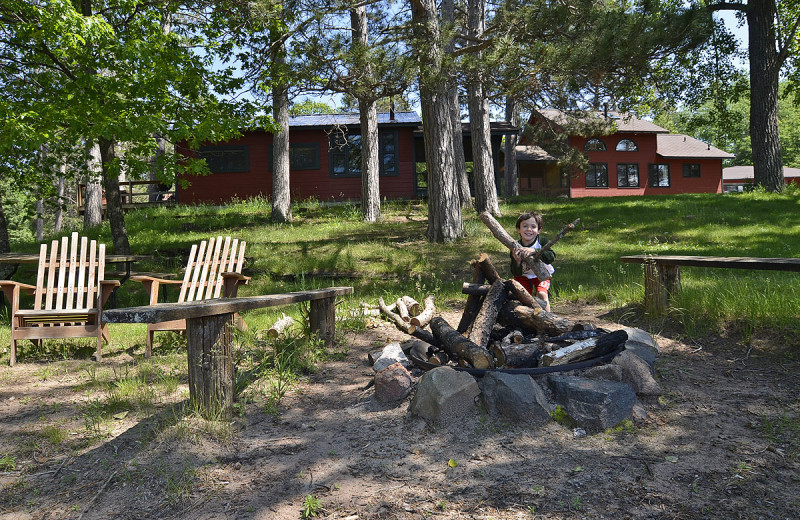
308	107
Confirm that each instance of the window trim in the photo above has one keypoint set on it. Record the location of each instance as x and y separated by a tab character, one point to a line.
595	140
699	170
244	168
653	167
593	172
638	176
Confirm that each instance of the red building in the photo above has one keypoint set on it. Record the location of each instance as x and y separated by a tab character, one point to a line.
635	157
740	178
325	161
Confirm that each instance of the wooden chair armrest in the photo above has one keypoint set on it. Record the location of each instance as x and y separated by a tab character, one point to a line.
143	279
235	276
22	286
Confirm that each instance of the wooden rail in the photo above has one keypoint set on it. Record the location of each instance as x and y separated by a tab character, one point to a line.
134	194
662	275
209	333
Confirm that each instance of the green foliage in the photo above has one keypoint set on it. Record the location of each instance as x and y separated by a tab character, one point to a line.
312	506
561	416
8	462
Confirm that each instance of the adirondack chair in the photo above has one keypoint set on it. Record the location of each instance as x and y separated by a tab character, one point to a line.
69	295
214	269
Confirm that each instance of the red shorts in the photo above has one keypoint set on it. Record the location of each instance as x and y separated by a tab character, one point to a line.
533	283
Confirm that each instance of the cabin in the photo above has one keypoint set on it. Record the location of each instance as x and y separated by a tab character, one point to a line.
740	178
324	160
633	157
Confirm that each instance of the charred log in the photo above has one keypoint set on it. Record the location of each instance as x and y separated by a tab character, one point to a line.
518	355
457	345
586	349
484	322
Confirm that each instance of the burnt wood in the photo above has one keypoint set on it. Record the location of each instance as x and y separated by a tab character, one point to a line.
474	301
534	319
586	349
518	355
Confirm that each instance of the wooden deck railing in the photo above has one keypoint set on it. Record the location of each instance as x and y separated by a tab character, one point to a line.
134	194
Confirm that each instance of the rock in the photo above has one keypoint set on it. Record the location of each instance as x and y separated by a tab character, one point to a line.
593	405
637	374
516	398
605	372
393	384
644	351
641	336
392	353
443	396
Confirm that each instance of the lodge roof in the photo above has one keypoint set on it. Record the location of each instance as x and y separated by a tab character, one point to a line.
746	172
531	153
352	119
625	123
674	146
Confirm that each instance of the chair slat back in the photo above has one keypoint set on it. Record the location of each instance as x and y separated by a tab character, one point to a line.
69	274
203	277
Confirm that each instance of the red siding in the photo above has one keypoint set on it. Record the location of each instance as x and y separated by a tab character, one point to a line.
304	184
710	180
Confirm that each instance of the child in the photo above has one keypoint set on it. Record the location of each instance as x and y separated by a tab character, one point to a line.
528	226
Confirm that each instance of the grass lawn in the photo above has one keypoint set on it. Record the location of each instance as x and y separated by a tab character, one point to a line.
330	245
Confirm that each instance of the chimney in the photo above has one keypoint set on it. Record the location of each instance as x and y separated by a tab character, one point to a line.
605	110
391	109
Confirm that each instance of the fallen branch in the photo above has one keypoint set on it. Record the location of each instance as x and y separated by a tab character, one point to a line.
395	318
425	317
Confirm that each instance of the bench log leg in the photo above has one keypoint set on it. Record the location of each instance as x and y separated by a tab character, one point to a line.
662	283
322	315
210	343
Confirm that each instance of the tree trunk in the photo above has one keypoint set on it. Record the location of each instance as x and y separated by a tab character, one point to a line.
482	165
116	217
59	217
511	178
39	220
93	201
444	208
281	197
460	164
154	190
764	76
6	270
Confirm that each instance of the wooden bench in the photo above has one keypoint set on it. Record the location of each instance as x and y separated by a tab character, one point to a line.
662	275
209	326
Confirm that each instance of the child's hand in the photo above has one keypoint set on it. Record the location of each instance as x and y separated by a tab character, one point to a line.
521	253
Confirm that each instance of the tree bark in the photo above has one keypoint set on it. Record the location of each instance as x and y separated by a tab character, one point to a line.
444	208
93	202
511	181
482	165
116	217
281	197
765	68
61	202
154	190
484	323
460	164
534	319
368	115
455	344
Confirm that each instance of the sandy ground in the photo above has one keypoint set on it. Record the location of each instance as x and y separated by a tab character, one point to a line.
703	451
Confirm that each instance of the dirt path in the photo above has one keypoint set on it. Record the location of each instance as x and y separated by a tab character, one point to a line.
702	453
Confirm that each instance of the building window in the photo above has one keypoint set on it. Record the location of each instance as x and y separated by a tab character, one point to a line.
597	175
691	170
658	176
226	159
628	175
302	156
346	150
626	145
595	145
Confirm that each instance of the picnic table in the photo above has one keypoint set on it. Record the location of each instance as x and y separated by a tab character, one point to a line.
209	333
662	275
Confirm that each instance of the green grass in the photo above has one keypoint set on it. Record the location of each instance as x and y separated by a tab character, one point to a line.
329	245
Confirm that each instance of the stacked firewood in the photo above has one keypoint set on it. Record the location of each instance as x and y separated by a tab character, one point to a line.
502	326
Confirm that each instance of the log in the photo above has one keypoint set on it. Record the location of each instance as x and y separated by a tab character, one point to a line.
518	355
426	336
487	268
534	319
520	293
569	227
533	262
395	318
402	310
487	317
474	302
586	349
412	305
280	326
514	336
423	318
457	345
